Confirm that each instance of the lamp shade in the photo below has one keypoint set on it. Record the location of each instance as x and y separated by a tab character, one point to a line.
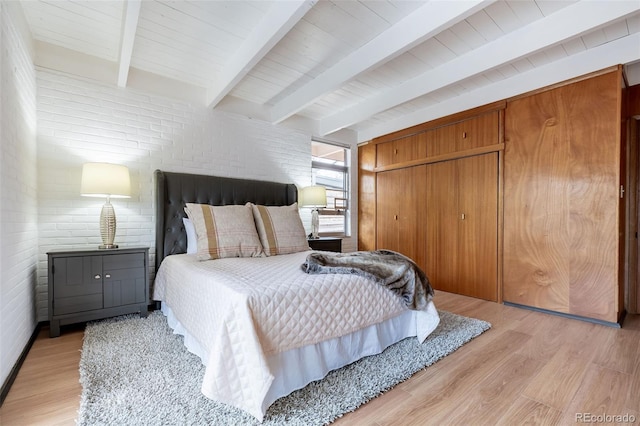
313	196
105	180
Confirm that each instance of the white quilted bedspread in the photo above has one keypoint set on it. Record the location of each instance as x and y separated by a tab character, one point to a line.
243	309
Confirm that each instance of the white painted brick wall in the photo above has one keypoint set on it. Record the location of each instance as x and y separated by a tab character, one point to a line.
18	186
81	121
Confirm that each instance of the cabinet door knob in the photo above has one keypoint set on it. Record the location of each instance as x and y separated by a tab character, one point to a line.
107	276
97	277
463	216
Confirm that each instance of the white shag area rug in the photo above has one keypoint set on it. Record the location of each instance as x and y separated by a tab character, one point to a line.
135	371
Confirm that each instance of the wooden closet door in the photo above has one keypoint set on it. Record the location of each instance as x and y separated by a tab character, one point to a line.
413	221
462	226
401	204
442	226
478	226
389	187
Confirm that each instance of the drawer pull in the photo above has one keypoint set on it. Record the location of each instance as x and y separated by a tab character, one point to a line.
108	276
97	277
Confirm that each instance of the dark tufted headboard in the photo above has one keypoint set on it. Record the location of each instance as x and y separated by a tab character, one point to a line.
174	190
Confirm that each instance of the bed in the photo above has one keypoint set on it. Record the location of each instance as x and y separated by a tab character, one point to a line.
261	325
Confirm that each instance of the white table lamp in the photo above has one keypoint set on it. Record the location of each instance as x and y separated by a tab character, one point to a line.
110	181
314	197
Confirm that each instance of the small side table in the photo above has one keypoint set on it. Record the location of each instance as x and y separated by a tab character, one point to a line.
326	244
86	285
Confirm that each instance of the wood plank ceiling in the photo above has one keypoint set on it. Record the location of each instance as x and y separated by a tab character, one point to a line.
365	67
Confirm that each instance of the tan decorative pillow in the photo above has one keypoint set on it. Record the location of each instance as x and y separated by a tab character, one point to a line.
224	231
280	229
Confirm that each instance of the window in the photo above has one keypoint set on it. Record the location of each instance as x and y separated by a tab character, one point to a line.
330	168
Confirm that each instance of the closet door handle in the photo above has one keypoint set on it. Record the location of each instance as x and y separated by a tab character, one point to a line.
107	276
97	276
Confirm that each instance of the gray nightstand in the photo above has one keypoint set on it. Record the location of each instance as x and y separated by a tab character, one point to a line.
86	285
326	244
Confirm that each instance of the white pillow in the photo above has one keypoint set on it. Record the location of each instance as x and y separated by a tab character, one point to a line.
192	238
224	231
280	229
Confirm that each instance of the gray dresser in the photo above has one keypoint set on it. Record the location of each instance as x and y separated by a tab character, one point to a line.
86	285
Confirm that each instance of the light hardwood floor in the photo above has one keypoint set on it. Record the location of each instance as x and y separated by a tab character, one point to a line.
530	368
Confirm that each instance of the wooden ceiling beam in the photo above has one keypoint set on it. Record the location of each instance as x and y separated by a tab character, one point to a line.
555	29
422	24
282	16
129	27
620	51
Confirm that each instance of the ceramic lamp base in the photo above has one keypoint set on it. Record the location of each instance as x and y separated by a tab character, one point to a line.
315	224
108	226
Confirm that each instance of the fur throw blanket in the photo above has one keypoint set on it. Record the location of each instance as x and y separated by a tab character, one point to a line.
392	270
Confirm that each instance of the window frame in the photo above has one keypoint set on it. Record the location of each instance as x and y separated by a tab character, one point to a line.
346	174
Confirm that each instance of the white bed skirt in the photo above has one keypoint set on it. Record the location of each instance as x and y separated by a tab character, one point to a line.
295	368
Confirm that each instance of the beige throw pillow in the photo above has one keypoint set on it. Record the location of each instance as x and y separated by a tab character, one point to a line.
224	231
280	229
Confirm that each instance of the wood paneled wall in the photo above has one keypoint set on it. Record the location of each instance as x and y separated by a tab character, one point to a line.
561	234
633	101
366	197
562	199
